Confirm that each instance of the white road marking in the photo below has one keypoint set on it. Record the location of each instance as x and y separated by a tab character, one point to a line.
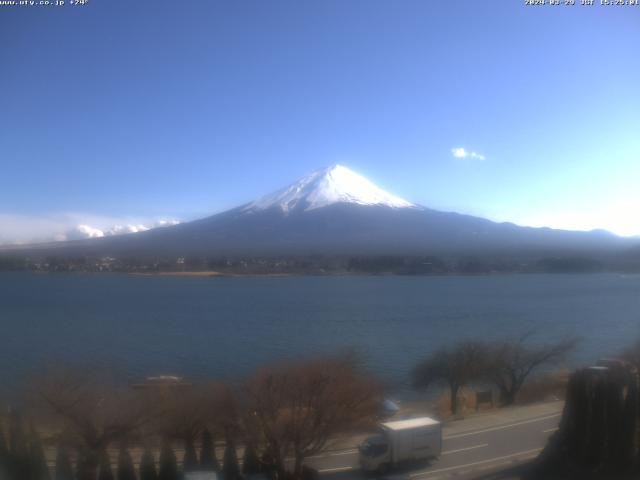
344	469
336	454
502	427
339	469
449	452
550	430
458	467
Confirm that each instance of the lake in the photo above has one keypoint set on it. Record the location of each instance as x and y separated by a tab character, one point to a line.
225	327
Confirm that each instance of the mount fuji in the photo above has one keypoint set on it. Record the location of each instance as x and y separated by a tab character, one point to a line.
336	211
336	184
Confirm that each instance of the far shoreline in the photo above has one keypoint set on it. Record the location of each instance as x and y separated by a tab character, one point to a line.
207	274
219	274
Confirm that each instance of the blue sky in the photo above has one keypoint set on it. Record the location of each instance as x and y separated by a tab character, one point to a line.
131	111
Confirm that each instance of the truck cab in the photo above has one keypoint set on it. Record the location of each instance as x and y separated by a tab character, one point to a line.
374	453
401	441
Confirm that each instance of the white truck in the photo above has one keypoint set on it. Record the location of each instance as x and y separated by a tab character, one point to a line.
401	441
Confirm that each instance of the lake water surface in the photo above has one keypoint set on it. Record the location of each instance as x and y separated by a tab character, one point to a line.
225	327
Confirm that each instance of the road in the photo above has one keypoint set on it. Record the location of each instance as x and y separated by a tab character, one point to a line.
471	447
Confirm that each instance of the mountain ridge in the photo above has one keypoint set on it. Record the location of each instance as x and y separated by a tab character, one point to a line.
335	211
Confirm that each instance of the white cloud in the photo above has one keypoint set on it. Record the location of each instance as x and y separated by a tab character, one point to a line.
460	152
25	229
86	231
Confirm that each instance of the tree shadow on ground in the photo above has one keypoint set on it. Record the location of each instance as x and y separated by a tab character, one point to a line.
517	472
532	471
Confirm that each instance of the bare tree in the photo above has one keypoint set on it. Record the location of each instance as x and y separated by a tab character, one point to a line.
632	354
126	470
208	459
454	367
250	461
63	464
185	415
510	362
90	412
4	454
298	407
168	463
148	466
230	467
106	473
37	458
17	458
188	413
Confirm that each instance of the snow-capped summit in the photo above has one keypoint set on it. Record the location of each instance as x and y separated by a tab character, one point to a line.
336	184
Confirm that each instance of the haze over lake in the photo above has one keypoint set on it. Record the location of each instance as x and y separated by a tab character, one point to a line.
226	327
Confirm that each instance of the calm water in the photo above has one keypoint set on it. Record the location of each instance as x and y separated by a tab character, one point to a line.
224	327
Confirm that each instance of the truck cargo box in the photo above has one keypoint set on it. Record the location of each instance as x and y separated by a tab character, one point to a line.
414	439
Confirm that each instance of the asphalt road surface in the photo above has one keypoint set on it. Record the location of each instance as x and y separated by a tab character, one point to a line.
471	447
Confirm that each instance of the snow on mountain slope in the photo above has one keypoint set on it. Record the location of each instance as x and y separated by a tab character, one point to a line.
336	184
